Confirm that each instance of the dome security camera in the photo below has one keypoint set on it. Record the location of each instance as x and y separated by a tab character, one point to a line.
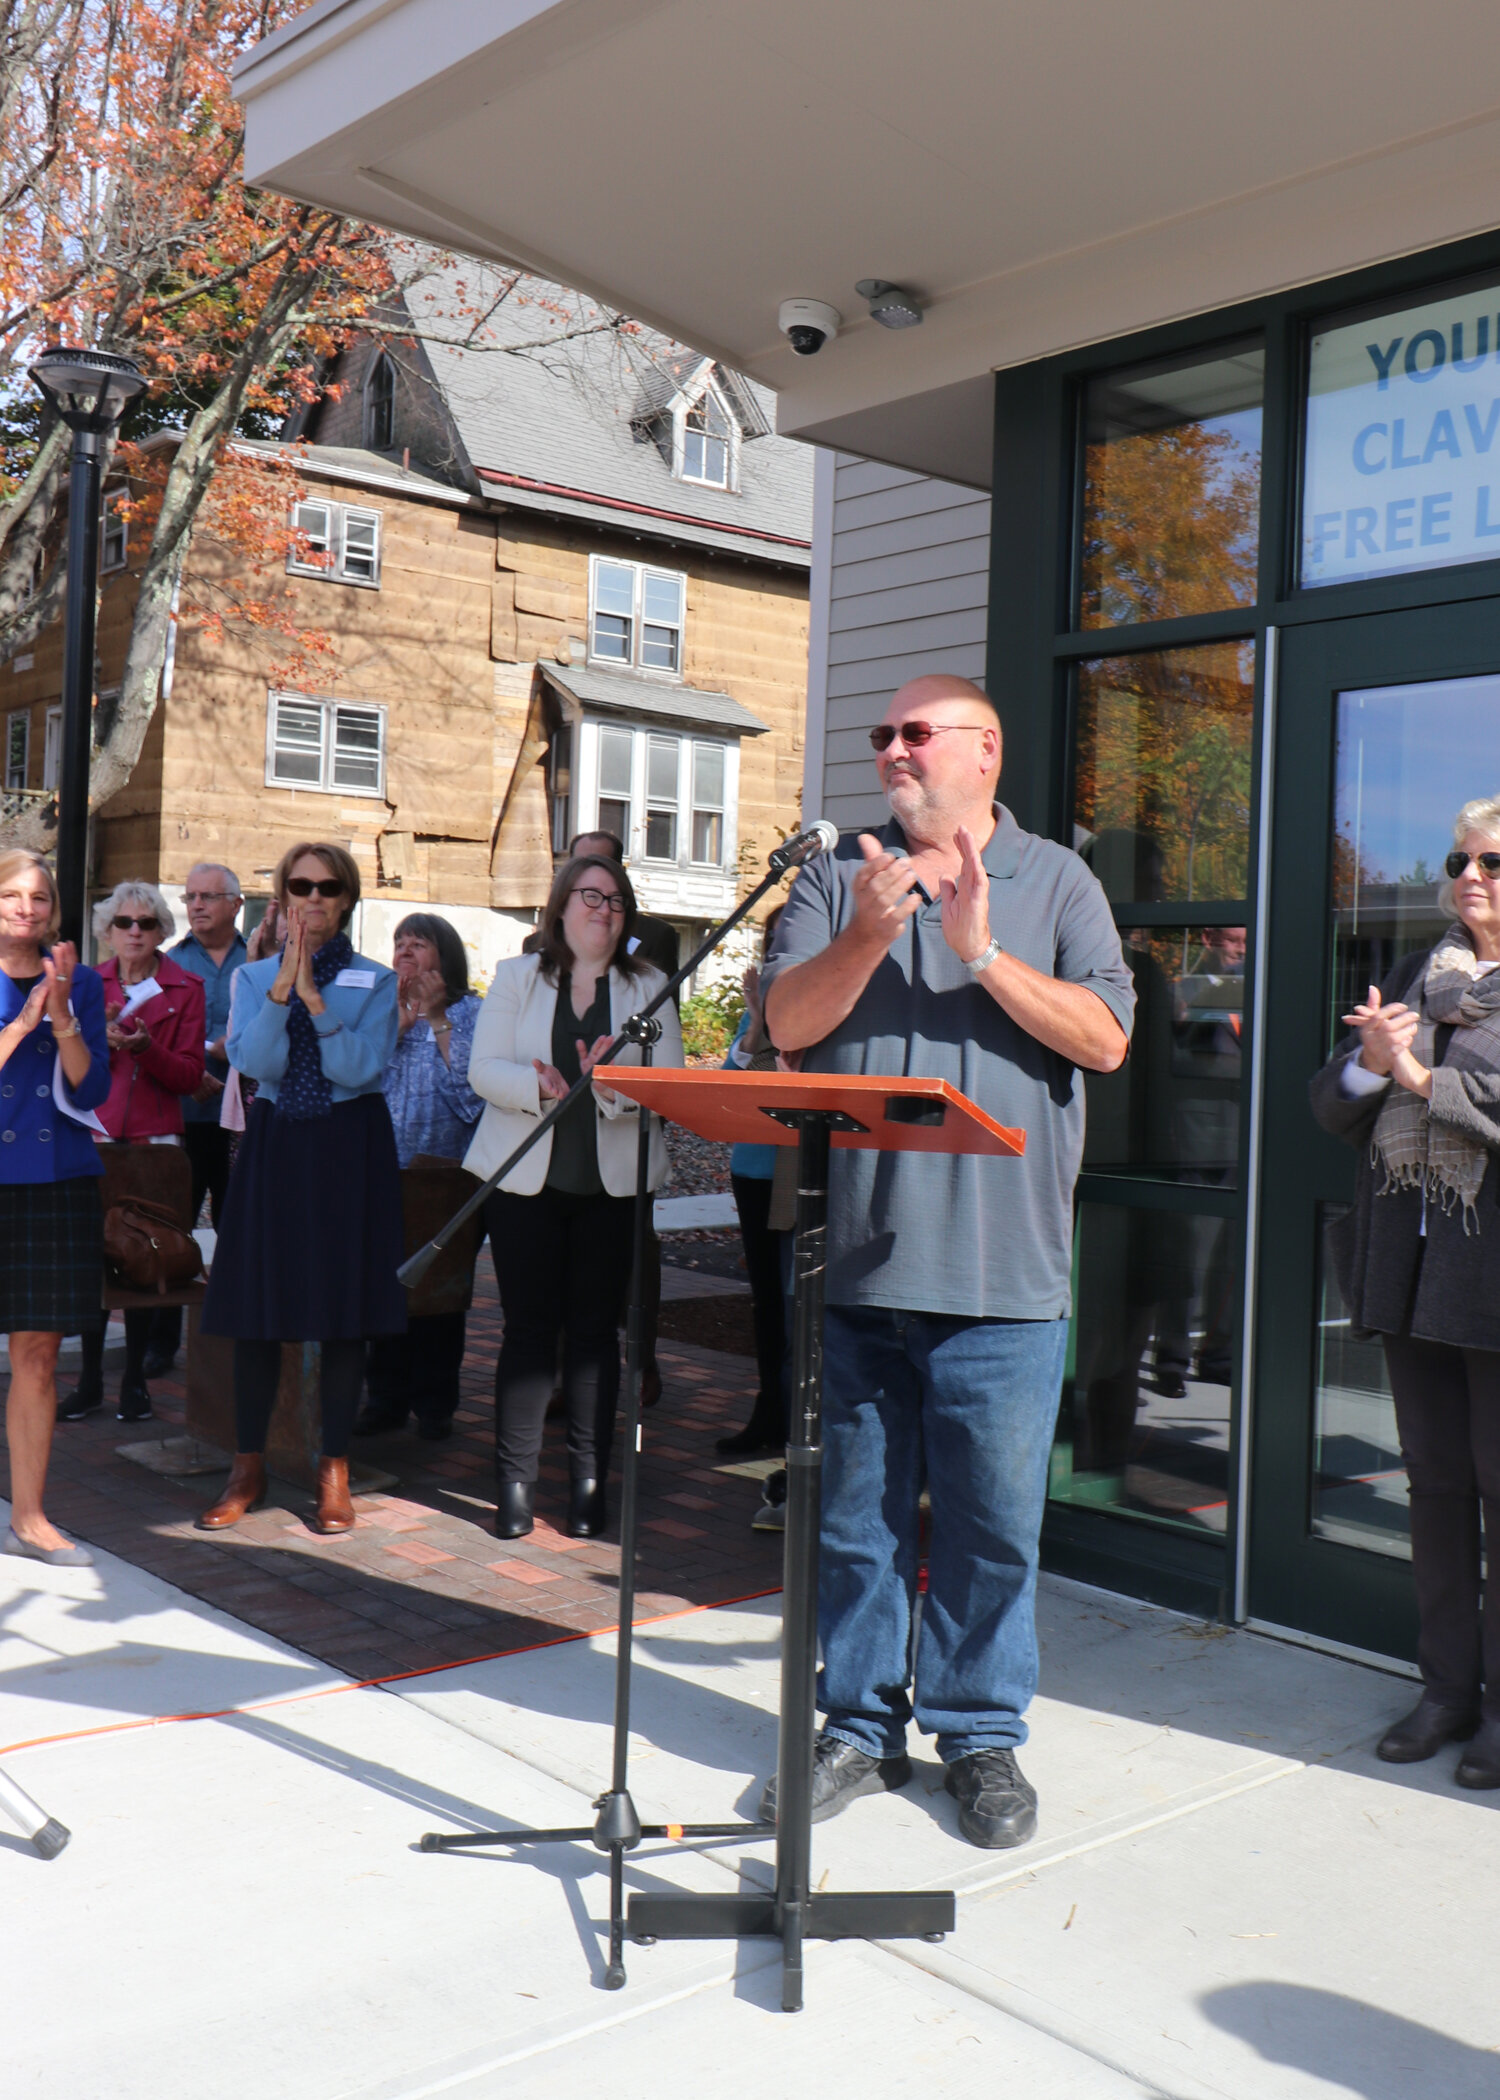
807	324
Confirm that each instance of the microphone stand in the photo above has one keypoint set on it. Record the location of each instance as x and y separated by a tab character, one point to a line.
617	1827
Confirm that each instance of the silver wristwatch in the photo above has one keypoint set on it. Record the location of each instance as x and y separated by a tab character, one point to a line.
983	960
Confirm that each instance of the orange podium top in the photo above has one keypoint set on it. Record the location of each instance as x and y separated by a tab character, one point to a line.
893	1114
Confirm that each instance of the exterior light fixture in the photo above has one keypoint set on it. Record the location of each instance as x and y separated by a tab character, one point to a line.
90	389
889	305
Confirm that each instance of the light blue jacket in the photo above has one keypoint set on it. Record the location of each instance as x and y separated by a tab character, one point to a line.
356	1030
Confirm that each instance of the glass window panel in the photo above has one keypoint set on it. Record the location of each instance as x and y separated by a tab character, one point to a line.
614	761
298	751
663	598
1401	469
661	769
1407	758
708	837
614	816
661	834
1161	787
708	776
1359	1484
361	545
314	520
1172	1111
356	748
1171	489
659	648
1144	1425
614	588
612	638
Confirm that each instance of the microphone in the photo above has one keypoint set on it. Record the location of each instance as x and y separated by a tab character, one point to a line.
821	837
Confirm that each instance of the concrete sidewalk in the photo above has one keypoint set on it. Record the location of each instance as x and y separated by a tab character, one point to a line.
1228	1896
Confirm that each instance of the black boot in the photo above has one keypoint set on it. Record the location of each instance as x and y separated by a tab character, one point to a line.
1423	1732
1479	1767
513	1508
588	1511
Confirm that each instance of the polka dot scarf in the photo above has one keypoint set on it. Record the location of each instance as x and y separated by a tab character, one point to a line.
305	1090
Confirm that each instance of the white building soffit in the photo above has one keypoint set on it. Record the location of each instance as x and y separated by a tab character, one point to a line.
1041	175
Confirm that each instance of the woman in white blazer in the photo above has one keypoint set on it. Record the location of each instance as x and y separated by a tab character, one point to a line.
561	1222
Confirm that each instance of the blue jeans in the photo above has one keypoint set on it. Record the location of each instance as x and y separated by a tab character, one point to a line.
968	1406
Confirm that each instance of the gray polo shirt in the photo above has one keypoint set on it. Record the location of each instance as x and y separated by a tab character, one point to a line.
930	1232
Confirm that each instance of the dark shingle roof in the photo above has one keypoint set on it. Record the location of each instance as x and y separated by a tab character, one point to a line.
620	692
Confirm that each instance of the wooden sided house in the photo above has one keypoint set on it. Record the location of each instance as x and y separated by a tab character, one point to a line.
566	587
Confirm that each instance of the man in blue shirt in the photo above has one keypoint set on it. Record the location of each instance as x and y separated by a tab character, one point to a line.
212	950
957	946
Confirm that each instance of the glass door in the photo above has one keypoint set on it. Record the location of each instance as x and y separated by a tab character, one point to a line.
1387	725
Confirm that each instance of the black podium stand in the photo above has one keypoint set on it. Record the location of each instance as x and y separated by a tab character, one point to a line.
818	1111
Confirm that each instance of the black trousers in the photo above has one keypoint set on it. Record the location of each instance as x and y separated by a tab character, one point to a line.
140	1325
257	1374
208	1147
417	1372
752	1199
562	1263
1448	1416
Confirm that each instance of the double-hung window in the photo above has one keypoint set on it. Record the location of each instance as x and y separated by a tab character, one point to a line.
707	442
337	542
635	615
114	536
665	796
337	746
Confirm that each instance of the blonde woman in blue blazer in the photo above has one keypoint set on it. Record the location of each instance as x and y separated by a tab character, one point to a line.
310	1237
560	1224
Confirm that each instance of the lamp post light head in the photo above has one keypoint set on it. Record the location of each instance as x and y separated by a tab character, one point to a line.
90	387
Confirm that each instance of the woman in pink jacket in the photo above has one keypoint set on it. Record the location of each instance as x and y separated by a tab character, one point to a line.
154	1016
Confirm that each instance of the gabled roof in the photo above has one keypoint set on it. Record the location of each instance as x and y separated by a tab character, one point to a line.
621	692
554	402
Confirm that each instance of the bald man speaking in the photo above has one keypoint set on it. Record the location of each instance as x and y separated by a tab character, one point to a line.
953	946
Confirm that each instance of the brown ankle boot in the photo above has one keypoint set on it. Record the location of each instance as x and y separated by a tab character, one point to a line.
335	1512
245	1490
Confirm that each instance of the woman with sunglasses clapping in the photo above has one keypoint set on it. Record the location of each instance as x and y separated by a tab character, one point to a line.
1417	1090
310	1237
560	1223
154	1015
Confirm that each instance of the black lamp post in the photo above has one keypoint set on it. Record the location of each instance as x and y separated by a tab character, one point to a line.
90	389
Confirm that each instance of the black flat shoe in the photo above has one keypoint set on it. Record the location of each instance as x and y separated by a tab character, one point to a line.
996	1801
513	1517
83	1400
379	1421
753	1441
842	1774
1479	1766
135	1401
588	1511
1423	1732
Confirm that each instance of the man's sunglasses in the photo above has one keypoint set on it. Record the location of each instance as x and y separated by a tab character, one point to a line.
601	900
1457	864
123	925
302	886
915	734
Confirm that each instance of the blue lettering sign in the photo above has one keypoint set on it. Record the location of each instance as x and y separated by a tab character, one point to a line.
1325	527
1362	462
1483	439
1359	533
1400	457
1482	332
1383	363
1442	438
1398	524
1483	529
1439	354
1436	511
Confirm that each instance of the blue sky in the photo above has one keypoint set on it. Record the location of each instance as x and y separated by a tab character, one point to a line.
1425	751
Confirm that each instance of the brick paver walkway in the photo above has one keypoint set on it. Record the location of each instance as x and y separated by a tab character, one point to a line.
422	1580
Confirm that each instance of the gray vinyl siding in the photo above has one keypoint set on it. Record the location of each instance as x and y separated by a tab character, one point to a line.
907	593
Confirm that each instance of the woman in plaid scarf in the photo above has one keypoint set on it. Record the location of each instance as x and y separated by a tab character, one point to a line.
1418	1258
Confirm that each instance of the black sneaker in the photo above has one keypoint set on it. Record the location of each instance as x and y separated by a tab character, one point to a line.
135	1401
840	1775
83	1400
996	1804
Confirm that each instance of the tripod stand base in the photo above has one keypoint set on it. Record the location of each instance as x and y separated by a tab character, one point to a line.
874	1914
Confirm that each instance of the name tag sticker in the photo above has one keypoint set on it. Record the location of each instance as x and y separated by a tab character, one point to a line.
357	980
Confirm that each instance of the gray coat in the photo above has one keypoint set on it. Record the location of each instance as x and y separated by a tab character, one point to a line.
1444	1286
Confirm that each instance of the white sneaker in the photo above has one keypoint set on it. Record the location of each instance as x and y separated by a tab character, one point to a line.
771	1516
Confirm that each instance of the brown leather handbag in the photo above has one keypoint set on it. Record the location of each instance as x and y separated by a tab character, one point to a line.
147	1250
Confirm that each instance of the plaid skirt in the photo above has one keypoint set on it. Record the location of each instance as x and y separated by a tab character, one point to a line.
51	1256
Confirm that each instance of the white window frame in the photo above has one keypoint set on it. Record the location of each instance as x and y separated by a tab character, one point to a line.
52	749
114	533
639	571
18	719
589	793
731	480
333	559
325	784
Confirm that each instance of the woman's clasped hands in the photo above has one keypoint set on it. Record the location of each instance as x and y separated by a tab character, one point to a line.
1386	1034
